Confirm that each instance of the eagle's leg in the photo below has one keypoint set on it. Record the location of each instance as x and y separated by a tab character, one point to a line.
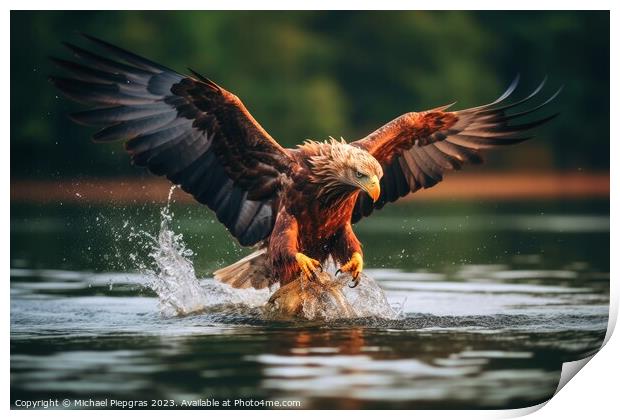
354	267
349	249
286	260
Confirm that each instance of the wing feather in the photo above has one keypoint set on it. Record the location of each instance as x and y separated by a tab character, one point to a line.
420	147
186	128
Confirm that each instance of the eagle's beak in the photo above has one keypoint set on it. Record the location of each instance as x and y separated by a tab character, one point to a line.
373	188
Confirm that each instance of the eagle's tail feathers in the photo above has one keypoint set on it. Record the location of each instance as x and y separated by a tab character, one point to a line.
250	271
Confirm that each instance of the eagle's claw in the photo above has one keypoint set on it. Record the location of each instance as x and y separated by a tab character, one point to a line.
308	265
355	282
353	267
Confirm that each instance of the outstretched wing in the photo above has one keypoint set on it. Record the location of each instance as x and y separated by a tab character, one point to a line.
417	148
188	129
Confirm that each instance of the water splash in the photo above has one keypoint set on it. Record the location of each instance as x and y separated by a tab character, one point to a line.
368	300
170	273
172	277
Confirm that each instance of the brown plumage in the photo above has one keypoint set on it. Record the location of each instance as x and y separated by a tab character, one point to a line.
297	206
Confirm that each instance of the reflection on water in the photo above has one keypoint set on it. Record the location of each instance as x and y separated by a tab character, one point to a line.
488	316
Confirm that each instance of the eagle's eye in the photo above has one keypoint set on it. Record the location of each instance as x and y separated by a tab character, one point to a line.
358	174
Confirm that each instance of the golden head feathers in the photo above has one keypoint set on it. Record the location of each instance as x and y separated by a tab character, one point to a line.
338	166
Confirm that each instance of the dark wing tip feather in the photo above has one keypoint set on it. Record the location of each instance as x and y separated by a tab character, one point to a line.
75	49
511	88
77	117
68	85
490	109
197	75
555	95
509	91
534	109
533	124
68	45
105	64
128	56
205	80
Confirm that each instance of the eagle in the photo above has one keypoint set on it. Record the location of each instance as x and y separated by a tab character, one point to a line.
295	206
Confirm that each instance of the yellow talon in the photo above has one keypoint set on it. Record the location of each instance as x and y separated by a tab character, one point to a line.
307	265
354	266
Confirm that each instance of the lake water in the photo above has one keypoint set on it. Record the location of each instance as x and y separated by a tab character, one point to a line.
488	301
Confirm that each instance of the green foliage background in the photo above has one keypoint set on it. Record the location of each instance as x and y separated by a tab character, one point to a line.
319	74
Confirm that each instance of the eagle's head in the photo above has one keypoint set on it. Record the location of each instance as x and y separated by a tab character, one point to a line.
341	169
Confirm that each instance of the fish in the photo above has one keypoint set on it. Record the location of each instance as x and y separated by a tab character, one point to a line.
319	298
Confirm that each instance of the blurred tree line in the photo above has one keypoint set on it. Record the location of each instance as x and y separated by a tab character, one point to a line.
319	74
